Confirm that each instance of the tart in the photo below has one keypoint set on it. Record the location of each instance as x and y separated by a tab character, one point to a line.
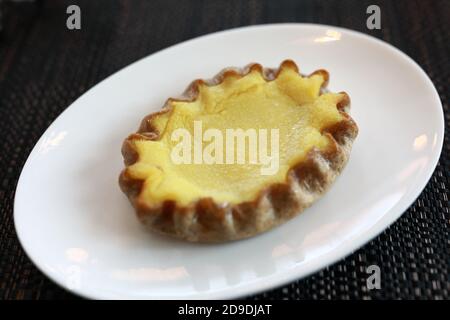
224	200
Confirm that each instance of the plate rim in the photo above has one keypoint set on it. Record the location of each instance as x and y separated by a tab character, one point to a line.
273	281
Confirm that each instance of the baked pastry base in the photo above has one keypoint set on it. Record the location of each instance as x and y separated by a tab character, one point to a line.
205	220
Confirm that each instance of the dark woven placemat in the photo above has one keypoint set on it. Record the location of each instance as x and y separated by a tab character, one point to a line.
44	67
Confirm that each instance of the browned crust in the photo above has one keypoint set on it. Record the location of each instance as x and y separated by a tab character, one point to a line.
205	220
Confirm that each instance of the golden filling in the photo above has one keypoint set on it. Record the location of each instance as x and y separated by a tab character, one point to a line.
290	103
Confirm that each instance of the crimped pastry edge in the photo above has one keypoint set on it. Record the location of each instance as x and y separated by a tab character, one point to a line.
205	220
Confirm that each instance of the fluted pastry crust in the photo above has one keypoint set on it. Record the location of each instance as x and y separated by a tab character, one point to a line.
205	220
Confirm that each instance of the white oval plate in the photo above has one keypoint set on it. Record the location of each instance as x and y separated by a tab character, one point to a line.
79	229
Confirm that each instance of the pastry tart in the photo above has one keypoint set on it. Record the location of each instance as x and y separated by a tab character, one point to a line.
211	199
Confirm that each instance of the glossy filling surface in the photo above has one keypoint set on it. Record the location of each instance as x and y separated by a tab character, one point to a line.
292	104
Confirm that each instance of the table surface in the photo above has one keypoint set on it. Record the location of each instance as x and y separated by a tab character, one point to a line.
44	67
